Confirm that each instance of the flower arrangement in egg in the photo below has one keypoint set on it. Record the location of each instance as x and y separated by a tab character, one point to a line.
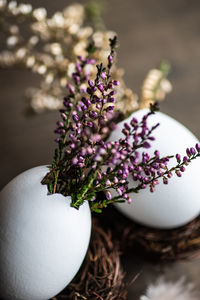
45	215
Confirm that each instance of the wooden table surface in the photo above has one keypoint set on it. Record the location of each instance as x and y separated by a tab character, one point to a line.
148	32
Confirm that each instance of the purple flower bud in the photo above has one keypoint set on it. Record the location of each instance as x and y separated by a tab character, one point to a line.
169	175
111	99
100	87
110	58
110	86
98	106
99	176
78	68
97	157
81	159
162	166
127	126
89	90
110	108
116	82
112	93
91	61
160	173
151	138
178	173
115	180
74	161
192	151
71	89
108	183
57	140
182	169
103	75
146	145
93	114
134	122
129	200
81	165
91	83
119	191
72	145
152	189
188	152
165	180
178	158
108	195
75	117
198	147
63	116
79	109
60	124
89	124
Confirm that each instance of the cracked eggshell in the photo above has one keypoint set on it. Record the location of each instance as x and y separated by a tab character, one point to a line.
43	240
177	203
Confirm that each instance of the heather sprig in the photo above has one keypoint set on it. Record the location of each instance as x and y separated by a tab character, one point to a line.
85	163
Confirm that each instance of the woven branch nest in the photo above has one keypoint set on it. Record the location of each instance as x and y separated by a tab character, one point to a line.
101	275
156	244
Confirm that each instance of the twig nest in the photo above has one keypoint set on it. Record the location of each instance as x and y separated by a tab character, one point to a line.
43	240
171	205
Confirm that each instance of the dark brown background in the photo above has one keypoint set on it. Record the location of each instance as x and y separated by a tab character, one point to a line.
148	32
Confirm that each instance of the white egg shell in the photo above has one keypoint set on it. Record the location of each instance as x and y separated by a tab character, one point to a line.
43	240
177	203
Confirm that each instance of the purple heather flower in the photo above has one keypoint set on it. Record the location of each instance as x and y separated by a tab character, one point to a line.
178	158
178	173
93	114
91	83
75	117
182	169
63	116
100	87
165	180
71	89
192	151
197	147
146	145
78	68
188	152
75	161
108	195
116	82
103	75
110	58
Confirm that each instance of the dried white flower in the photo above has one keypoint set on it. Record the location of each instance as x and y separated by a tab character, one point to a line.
58	19
56	49
12	5
20	54
30	61
40	13
2	3
34	40
12	41
42	69
25	8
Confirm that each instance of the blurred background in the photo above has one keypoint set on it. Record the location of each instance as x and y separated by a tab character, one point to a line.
148	31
